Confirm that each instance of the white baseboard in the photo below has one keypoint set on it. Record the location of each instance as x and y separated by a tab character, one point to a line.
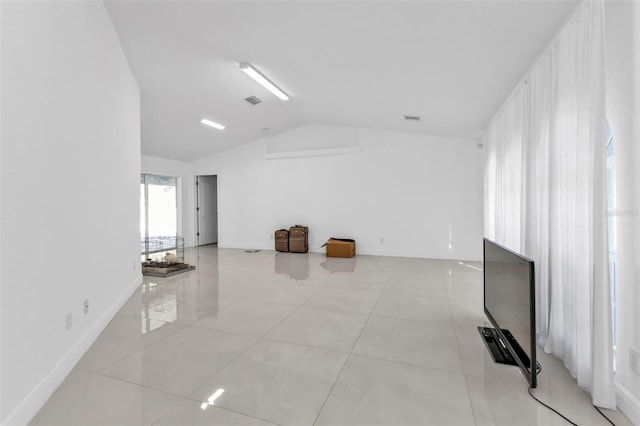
414	254
317	249
628	404
40	394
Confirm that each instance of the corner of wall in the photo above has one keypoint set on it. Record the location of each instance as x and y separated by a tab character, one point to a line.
628	404
35	400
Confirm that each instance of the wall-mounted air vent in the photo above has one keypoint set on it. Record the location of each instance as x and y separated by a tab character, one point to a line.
253	100
411	117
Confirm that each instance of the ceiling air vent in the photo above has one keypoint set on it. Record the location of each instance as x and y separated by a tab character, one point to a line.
411	117
253	100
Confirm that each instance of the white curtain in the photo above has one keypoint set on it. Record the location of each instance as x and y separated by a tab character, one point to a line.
545	196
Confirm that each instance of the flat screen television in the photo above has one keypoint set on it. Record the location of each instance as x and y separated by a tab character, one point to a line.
509	304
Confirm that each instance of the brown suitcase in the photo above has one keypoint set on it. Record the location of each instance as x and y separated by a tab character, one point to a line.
298	239
282	240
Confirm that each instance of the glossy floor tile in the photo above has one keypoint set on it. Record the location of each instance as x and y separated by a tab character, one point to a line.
248	317
345	300
124	336
320	328
378	392
191	413
411	307
271	338
100	400
427	344
278	382
181	362
286	293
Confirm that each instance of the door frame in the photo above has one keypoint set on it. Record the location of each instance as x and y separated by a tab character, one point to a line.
197	206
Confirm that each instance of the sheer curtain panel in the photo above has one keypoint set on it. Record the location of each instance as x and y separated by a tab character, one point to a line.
545	196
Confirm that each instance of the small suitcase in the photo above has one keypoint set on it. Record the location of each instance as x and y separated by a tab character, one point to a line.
282	240
298	239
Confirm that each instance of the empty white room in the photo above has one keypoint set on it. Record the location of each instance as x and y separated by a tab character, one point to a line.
319	212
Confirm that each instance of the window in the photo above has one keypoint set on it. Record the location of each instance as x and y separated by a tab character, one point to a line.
158	206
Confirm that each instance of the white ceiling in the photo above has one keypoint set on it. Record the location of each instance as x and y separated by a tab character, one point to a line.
353	63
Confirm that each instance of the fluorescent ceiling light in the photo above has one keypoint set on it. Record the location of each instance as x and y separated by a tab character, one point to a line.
264	81
212	124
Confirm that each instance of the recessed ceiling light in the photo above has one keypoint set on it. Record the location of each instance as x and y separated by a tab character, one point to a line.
212	124
264	81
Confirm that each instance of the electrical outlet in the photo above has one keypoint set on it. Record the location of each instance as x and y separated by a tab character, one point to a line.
381	240
633	360
86	306
69	321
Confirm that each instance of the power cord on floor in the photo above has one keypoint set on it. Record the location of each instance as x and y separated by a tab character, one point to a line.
602	414
552	409
538	370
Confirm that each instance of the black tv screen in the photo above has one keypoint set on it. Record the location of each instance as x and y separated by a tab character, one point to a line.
509	304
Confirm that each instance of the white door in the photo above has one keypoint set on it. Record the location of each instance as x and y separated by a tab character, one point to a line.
207	209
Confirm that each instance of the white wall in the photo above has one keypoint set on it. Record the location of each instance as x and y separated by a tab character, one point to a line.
420	194
623	108
186	181
312	137
70	168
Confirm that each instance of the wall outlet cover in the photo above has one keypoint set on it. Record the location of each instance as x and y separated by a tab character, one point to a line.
69	321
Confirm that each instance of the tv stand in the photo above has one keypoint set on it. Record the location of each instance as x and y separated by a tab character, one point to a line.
496	347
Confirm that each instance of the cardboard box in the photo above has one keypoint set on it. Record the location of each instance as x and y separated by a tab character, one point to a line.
340	247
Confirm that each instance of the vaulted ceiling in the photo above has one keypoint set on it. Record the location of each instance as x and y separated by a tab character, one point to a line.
353	63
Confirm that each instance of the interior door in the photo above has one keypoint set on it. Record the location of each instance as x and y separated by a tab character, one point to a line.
207	209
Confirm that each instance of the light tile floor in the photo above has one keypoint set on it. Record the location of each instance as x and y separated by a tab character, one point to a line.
300	339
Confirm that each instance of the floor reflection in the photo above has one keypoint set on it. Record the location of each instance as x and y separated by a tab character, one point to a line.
207	297
159	306
336	264
295	265
184	298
